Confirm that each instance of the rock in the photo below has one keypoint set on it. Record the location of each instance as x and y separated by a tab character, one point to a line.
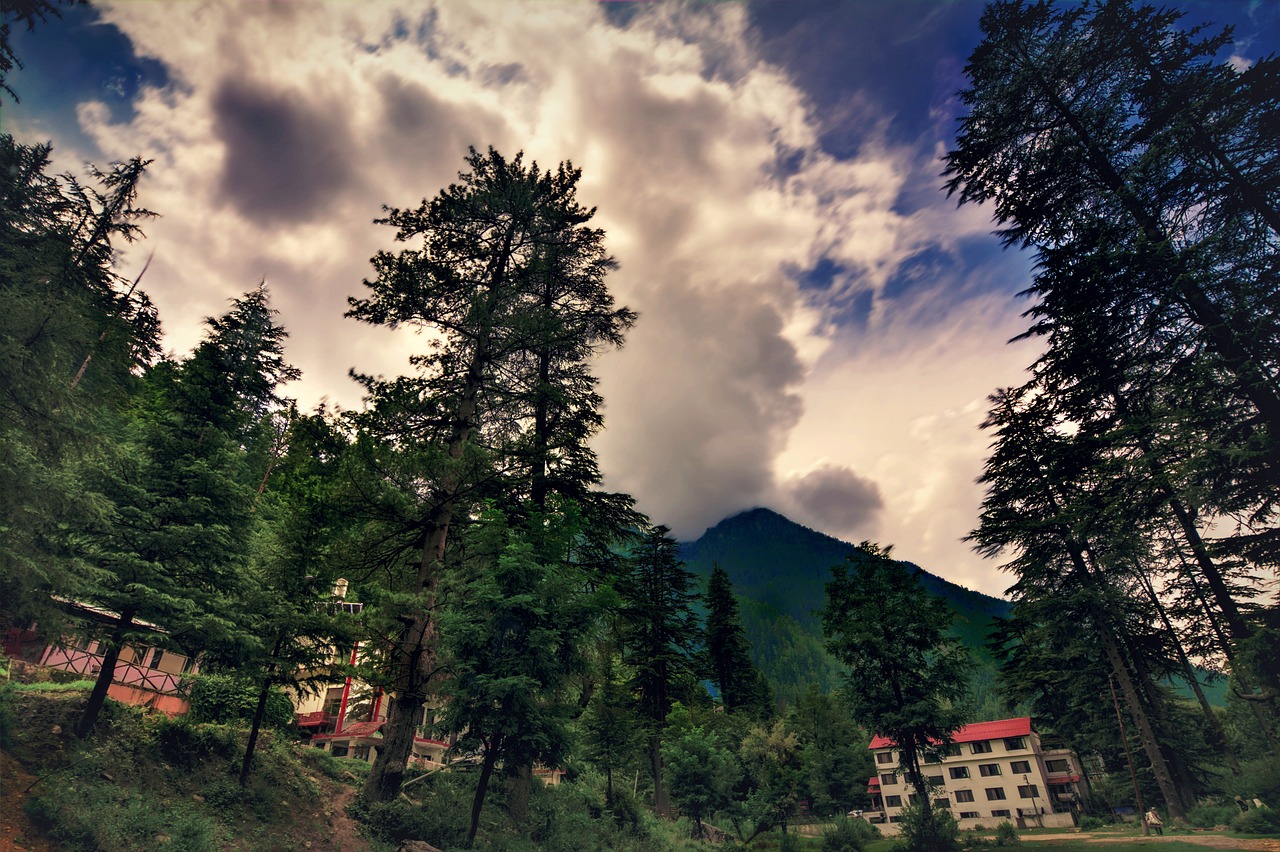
197	797
107	776
56	730
418	846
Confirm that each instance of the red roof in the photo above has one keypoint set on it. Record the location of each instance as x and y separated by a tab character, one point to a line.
1019	727
873	781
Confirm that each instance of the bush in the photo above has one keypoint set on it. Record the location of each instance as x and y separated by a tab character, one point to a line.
849	835
440	819
1262	820
228	699
934	830
1208	816
184	743
1006	834
101	816
1090	823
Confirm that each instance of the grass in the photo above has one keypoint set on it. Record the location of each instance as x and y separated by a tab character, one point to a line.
73	686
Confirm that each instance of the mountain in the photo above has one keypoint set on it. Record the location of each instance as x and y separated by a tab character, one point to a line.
780	569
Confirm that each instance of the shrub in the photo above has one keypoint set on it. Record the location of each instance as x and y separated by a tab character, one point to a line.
1207	816
441	818
848	835
1006	834
102	816
934	830
1090	823
185	743
1257	821
229	699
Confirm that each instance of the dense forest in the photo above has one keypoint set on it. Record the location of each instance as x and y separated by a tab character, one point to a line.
1132	487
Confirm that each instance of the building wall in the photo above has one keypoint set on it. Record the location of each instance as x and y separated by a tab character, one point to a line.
984	783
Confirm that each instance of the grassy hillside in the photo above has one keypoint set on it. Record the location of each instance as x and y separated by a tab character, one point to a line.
145	782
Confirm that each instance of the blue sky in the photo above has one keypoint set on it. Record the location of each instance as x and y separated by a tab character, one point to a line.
820	326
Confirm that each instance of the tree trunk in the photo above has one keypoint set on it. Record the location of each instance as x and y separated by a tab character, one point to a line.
661	800
519	784
482	790
414	654
98	697
1219	737
414	659
258	713
1146	734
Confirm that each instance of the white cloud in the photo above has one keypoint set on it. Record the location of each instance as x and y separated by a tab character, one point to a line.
287	126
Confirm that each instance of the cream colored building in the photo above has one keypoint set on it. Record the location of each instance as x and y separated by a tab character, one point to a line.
995	771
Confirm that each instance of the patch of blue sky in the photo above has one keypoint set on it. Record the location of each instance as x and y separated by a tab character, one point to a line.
74	59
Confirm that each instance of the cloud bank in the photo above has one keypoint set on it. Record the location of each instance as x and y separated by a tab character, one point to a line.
283	128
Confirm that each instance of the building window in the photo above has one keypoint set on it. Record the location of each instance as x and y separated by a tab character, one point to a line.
1028	791
953	750
1020	766
1015	743
887	779
982	747
893	801
1000	813
884	757
959	772
995	794
935	780
895	819
1057	766
968	815
964	795
930	758
945	804
912	799
988	770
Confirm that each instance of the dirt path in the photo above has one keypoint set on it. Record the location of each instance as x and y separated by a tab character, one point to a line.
17	834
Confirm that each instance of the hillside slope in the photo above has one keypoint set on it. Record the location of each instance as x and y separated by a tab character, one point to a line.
780	570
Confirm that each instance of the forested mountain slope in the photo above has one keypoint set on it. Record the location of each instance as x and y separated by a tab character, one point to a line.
781	568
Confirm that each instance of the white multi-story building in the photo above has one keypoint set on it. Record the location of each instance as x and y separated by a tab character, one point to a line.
994	771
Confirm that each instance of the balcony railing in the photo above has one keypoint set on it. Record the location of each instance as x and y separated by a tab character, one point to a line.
83	662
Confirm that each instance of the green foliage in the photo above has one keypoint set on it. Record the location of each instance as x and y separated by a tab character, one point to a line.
741	685
834	753
1006	834
1262	820
1091	823
1210	815
440	820
849	835
1258	779
907	675
147	782
232	699
184	742
54	686
927	830
701	773
778	567
99	816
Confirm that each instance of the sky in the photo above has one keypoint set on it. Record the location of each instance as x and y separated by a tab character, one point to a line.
820	326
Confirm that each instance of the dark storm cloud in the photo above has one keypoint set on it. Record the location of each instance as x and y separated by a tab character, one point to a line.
837	498
424	129
286	159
